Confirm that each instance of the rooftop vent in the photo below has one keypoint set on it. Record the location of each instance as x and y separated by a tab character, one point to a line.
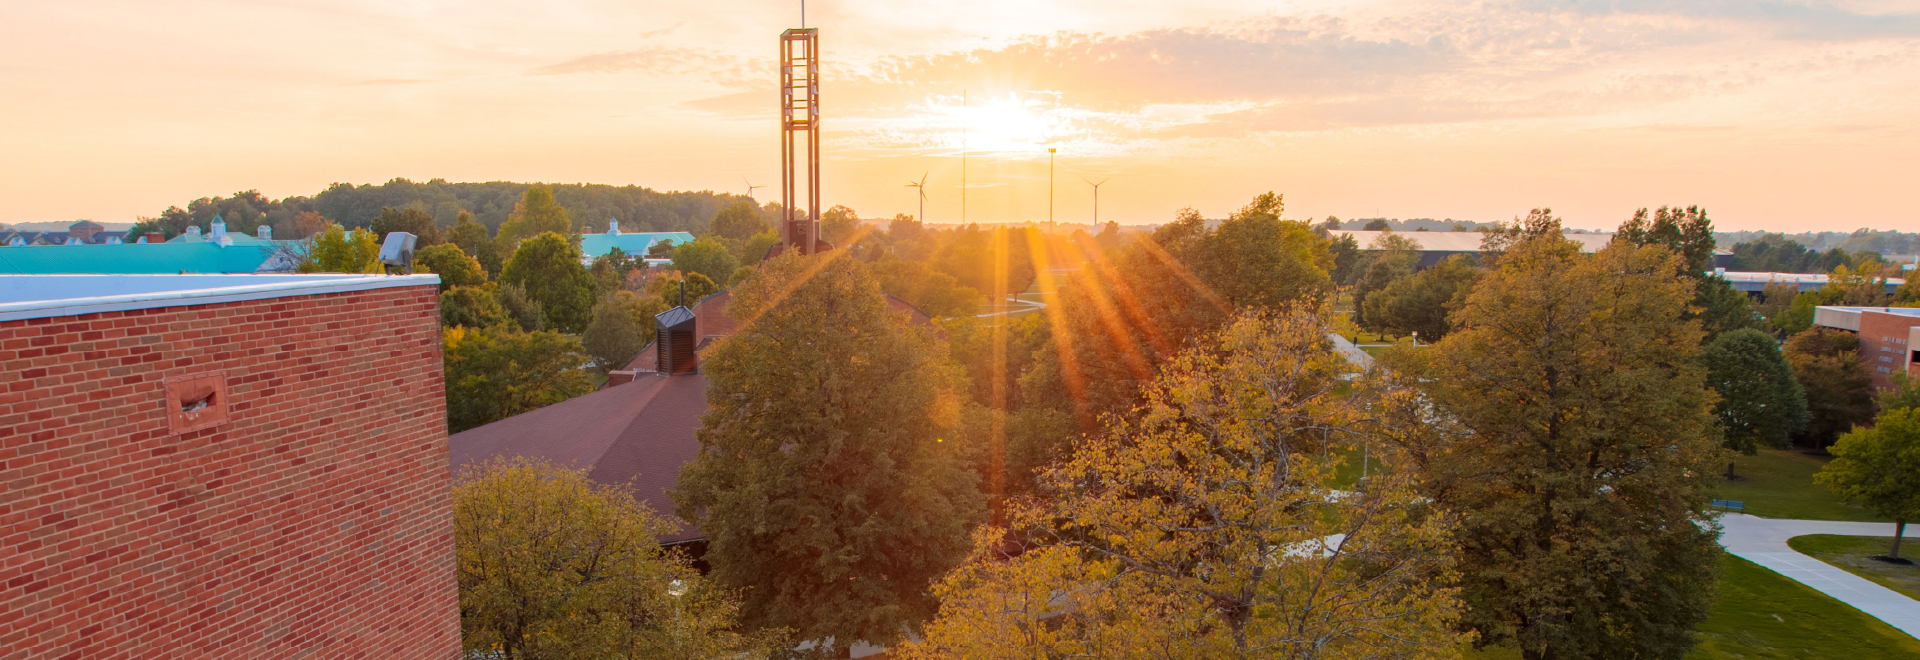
397	252
674	338
265	232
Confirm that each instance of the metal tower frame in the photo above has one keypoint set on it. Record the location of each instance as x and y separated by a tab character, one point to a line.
800	113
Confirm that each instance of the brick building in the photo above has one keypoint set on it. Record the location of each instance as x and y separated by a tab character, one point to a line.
238	466
1888	337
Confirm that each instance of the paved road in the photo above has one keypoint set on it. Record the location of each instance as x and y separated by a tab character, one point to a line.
1763	541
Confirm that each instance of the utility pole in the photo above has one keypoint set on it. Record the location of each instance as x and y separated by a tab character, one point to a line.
1050	152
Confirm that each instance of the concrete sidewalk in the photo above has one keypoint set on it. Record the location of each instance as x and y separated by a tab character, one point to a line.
1763	541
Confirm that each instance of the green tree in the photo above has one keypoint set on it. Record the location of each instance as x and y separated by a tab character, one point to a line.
1687	233
536	213
738	221
1826	362
548	267
1722	309
1209	528
840	226
616	335
522	309
1346	258
497	372
1575	438
454	267
552	565
754	250
668	289
823	482
1760	402
1879	468
339	251
705	256
936	293
610	270
1421	302
410	220
1390	259
1378	224
472	307
1904	394
472	238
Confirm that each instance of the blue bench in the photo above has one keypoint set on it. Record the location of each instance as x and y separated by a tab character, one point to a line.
1730	505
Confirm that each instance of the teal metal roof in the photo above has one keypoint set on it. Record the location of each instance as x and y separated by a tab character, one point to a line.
593	246
143	258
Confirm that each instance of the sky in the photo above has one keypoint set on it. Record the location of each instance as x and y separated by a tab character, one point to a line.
1784	116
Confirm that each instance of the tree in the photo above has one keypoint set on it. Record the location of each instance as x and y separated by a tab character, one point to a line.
552	565
1904	394
339	251
472	307
1378	224
472	238
1391	258
524	311
454	267
548	266
299	227
1118	320
1723	309
410	220
840	226
1421	302
755	249
1346	258
698	287
1212	527
1687	233
618	331
610	270
933	292
497	372
1575	437
536	213
1879	468
823	482
1826	362
705	256
1760	402
738	221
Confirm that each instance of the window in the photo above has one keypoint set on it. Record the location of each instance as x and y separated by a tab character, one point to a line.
196	402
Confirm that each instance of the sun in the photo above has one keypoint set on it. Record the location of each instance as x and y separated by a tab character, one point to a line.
1008	124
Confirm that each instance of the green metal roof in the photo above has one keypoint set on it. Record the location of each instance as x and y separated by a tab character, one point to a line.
594	246
142	258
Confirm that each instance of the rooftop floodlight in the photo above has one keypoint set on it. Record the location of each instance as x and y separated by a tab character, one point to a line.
397	252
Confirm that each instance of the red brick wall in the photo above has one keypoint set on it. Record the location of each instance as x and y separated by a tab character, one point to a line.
1883	344
315	523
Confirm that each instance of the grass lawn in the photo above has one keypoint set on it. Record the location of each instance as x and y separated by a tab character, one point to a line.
1850	554
1764	615
1779	484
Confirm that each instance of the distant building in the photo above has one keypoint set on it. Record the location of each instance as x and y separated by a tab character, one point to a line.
187	253
637	430
594	246
1889	338
1754	283
224	466
84	232
1437	246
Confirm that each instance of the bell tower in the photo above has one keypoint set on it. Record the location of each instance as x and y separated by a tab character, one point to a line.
800	156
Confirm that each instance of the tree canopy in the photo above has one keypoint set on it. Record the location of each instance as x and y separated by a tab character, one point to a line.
339	251
1422	301
1760	402
1213	528
548	267
738	221
1879	468
1826	362
454	267
553	565
705	256
498	371
825	480
1575	438
536	213
410	220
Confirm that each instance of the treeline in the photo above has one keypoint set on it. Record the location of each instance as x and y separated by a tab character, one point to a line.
590	206
1860	240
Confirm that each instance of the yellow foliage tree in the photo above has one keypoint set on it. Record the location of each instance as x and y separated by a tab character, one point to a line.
339	251
1214	526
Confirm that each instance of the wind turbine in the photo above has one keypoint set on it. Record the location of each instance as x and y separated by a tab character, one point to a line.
1096	200
751	188
922	185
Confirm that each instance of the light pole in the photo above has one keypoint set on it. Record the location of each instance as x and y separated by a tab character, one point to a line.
1050	152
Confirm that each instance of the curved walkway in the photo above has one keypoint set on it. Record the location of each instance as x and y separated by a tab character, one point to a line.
1763	541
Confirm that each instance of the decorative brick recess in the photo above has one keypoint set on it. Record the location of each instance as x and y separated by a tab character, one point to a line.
294	505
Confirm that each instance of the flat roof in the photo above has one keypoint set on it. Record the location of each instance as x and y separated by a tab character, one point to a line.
41	296
1848	318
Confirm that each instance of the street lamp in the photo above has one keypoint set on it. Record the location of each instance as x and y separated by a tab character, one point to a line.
1050	152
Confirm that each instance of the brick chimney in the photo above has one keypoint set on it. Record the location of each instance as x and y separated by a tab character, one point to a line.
156	237
620	377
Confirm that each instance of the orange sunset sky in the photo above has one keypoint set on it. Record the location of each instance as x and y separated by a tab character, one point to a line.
1788	116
